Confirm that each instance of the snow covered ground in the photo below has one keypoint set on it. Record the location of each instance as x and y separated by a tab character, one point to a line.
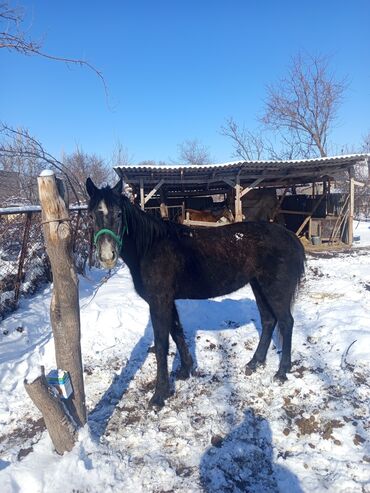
221	431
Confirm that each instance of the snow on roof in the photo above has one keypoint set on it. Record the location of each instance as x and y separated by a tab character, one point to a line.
215	177
262	164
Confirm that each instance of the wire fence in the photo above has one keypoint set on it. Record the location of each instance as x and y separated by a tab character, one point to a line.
24	264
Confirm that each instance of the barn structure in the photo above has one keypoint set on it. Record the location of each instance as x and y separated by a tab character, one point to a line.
314	197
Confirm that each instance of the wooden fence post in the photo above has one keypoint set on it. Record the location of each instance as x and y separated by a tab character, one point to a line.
64	309
351	206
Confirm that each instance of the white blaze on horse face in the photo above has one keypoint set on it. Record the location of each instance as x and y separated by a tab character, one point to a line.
102	207
107	248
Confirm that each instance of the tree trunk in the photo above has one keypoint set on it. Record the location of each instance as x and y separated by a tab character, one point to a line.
60	427
64	315
64	309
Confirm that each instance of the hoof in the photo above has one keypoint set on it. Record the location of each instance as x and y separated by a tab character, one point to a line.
157	402
252	366
183	373
280	376
158	399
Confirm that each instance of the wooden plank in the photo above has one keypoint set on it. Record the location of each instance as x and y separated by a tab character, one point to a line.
153	191
4	211
339	220
238	201
142	198
228	181
298	213
206	224
251	186
351	209
309	217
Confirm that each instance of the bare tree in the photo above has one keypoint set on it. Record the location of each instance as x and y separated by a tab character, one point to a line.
13	37
305	103
151	162
364	174
194	153
17	145
27	169
365	147
82	166
120	155
247	145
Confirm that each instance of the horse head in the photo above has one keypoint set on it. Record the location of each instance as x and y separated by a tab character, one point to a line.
106	209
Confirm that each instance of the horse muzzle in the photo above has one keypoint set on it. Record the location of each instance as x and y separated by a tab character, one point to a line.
107	254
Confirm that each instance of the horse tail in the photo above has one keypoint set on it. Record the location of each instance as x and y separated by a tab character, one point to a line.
299	262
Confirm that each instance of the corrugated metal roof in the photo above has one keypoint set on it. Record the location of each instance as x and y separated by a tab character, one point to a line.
216	177
249	165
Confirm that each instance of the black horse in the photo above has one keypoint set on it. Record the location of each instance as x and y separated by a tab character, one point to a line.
169	261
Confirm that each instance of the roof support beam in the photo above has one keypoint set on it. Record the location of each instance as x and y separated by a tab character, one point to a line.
351	208
231	183
142	197
238	201
251	186
153	191
299	230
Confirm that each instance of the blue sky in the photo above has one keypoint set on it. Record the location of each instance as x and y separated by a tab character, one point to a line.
176	70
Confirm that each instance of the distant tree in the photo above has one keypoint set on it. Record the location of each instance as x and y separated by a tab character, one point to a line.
365	147
363	171
24	154
27	167
120	156
304	104
151	162
249	146
81	165
193	152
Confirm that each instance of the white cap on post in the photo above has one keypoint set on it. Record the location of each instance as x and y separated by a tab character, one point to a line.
47	172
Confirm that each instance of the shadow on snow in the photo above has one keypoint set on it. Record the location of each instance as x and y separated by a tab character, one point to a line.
211	315
243	462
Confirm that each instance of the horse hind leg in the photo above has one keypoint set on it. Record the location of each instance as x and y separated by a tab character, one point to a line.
286	329
275	305
177	335
268	321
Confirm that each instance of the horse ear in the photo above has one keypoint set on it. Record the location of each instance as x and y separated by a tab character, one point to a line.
118	188
90	187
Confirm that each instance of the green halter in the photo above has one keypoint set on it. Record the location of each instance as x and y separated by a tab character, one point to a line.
106	231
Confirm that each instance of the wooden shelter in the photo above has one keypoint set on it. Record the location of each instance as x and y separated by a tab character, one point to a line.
319	212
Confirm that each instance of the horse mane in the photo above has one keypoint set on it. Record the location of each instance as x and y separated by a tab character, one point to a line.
144	228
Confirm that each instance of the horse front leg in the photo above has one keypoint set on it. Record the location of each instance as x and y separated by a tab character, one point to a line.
161	316
177	335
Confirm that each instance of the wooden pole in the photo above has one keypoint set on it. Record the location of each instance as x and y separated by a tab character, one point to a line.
238	202
351	207
163	205
64	309
142	196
